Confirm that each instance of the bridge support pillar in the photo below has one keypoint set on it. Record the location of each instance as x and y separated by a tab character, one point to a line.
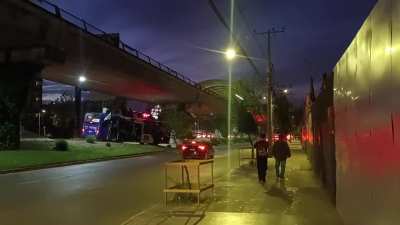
15	81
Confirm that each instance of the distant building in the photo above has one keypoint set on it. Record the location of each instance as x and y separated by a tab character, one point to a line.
35	98
33	107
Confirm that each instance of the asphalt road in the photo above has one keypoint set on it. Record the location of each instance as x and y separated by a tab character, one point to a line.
103	193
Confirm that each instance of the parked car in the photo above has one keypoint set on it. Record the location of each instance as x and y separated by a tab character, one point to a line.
196	149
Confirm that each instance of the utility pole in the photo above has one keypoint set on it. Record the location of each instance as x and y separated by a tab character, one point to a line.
270	70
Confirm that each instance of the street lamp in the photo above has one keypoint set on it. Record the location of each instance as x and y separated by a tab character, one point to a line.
40	120
239	97
230	54
78	104
82	79
285	91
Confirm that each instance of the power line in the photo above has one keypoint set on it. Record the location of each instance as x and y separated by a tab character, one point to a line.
250	30
242	50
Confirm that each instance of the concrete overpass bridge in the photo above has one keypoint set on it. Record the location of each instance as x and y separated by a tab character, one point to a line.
66	46
39	39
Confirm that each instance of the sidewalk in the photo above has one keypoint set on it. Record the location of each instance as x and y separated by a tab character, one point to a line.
239	199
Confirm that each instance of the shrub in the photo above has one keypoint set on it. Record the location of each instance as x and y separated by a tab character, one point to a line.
215	141
108	144
7	132
91	139
61	145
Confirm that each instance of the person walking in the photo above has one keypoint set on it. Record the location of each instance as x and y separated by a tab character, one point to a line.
281	152
261	147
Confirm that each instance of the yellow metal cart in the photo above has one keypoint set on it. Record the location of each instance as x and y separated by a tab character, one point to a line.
189	180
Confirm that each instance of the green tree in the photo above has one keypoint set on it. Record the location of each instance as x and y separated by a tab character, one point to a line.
178	120
247	125
297	119
15	81
219	122
282	111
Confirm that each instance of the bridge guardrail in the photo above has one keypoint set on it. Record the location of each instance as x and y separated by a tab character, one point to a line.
89	28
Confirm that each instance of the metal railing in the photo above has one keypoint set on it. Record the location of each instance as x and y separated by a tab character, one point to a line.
97	32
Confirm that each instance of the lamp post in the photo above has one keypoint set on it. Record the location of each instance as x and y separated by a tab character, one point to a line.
78	103
40	120
230	55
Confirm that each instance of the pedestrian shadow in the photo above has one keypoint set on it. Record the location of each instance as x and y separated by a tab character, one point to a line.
279	190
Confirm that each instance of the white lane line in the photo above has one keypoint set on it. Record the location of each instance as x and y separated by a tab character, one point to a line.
29	182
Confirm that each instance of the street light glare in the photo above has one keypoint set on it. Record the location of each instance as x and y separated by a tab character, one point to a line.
82	79
239	97
286	91
230	53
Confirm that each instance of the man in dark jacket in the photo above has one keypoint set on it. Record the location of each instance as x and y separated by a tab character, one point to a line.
261	147
281	152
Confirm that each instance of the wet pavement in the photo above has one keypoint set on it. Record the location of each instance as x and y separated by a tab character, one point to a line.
129	191
101	193
239	199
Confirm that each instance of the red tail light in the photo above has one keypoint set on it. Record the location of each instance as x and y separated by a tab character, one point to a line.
184	147
146	115
202	147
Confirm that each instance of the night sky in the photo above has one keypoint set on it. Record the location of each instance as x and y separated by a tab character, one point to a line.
178	32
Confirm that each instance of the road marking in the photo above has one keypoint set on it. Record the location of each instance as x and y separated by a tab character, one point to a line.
138	214
29	182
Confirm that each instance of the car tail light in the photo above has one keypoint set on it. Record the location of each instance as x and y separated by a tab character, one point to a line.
202	147
146	115
184	147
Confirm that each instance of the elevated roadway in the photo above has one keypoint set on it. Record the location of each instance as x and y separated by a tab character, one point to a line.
67	47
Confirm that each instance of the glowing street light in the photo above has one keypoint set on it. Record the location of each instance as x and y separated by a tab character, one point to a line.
239	97
78	104
82	79
230	54
390	50
285	91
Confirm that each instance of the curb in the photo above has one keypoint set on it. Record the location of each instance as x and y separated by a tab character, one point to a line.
55	165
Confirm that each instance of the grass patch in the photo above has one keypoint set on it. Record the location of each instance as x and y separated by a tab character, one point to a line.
36	153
